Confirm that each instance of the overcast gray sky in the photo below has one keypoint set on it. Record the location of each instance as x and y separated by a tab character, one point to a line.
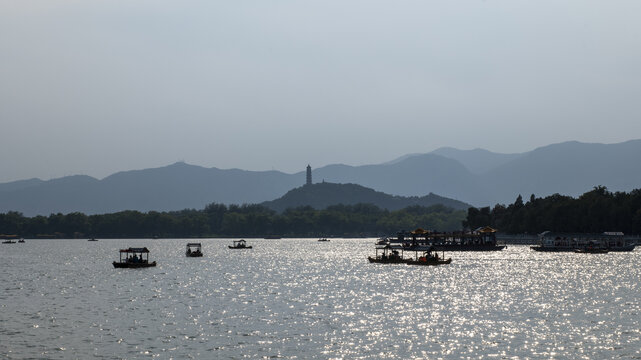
96	87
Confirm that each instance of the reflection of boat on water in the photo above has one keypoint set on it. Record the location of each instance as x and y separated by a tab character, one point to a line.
193	250
323	239
240	244
568	242
134	258
481	239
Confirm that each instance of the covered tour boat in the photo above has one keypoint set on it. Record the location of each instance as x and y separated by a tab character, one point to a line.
323	239
240	244
428	257
134	258
388	254
570	242
193	250
481	239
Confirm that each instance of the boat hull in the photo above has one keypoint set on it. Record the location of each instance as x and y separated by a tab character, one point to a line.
239	248
124	265
387	261
430	262
194	255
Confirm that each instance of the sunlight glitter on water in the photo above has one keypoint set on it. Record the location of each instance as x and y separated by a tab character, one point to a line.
297	298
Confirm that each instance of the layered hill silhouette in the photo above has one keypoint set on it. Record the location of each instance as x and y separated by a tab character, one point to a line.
478	177
323	195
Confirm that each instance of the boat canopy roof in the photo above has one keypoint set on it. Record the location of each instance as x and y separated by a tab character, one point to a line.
193	244
486	229
135	250
241	241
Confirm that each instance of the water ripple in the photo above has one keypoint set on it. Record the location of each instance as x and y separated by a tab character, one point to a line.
297	298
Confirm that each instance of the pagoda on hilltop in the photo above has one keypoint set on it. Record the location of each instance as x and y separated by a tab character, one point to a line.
309	175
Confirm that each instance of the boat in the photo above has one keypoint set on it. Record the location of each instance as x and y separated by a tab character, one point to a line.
389	254
429	258
21	240
134	258
9	239
240	244
481	239
193	250
92	239
569	242
323	239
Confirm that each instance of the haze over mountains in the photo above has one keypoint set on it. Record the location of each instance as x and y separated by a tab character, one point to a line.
478	177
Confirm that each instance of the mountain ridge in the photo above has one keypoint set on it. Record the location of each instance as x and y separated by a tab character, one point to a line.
569	168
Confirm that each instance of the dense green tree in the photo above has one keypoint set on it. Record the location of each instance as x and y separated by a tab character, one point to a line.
597	210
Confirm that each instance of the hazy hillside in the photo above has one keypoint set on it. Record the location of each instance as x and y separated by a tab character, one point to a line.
477	161
173	187
570	168
322	195
20	184
413	176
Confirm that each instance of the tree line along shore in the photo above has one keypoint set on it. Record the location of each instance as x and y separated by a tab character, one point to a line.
595	211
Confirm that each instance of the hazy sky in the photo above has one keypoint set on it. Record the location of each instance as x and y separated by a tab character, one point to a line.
96	87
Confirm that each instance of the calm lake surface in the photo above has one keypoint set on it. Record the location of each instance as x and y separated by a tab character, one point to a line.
299	298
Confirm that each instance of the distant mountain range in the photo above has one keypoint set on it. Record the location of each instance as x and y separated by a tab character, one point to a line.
478	177
322	195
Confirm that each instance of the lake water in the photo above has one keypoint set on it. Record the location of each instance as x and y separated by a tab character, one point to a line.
299	298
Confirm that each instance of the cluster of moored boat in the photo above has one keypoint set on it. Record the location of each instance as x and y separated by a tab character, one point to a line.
424	245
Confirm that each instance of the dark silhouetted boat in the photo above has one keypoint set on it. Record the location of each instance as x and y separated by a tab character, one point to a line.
388	254
569	242
193	250
323	239
134	258
428	258
481	239
240	244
